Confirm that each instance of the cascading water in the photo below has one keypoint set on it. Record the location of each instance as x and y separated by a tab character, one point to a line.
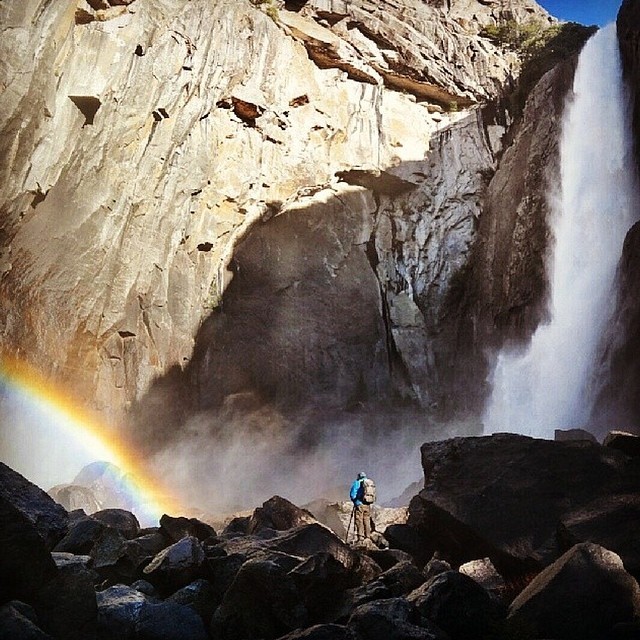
546	388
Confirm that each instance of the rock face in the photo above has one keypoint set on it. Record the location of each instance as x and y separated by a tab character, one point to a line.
595	591
340	199
629	37
618	374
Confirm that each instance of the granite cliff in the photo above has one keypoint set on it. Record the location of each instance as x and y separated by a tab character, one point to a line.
311	205
617	377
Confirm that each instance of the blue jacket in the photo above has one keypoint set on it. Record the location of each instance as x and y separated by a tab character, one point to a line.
357	492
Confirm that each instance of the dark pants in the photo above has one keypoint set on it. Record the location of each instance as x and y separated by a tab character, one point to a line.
363	521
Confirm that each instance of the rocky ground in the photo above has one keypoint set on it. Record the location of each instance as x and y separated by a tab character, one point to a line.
511	537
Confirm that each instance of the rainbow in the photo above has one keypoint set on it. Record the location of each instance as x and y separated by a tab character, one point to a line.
74	424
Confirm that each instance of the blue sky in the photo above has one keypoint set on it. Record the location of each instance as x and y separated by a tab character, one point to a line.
588	12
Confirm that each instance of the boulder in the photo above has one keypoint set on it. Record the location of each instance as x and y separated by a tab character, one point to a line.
392	619
118	611
303	541
153	542
169	621
583	595
66	604
117	559
82	535
177	565
401	579
409	539
49	518
199	596
628	443
486	575
120	520
63	559
321	580
321	632
16	624
107	550
279	514
397	581
222	571
386	558
238	525
177	528
262	602
133	561
384	517
127	614
435	567
307	540
459	606
146	588
564	435
25	562
611	522
472	503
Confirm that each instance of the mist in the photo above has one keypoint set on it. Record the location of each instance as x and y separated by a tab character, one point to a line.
223	462
225	468
42	443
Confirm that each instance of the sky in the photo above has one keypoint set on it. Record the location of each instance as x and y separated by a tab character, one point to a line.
600	12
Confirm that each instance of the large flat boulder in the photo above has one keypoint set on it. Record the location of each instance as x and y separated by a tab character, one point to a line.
504	496
582	596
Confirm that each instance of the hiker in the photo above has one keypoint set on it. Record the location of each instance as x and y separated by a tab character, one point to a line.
363	495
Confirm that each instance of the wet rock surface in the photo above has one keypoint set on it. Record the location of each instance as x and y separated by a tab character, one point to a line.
472	504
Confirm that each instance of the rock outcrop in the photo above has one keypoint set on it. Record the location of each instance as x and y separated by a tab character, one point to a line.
629	37
618	374
340	199
472	503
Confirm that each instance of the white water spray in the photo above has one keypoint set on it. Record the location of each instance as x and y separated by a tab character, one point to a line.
546	388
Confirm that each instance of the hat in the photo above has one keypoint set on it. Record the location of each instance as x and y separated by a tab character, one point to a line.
361	475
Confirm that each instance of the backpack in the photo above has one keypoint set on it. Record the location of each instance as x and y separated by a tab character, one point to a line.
368	491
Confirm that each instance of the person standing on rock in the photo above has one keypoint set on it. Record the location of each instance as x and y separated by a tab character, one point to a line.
363	495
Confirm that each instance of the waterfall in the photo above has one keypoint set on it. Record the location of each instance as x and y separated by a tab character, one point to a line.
547	387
